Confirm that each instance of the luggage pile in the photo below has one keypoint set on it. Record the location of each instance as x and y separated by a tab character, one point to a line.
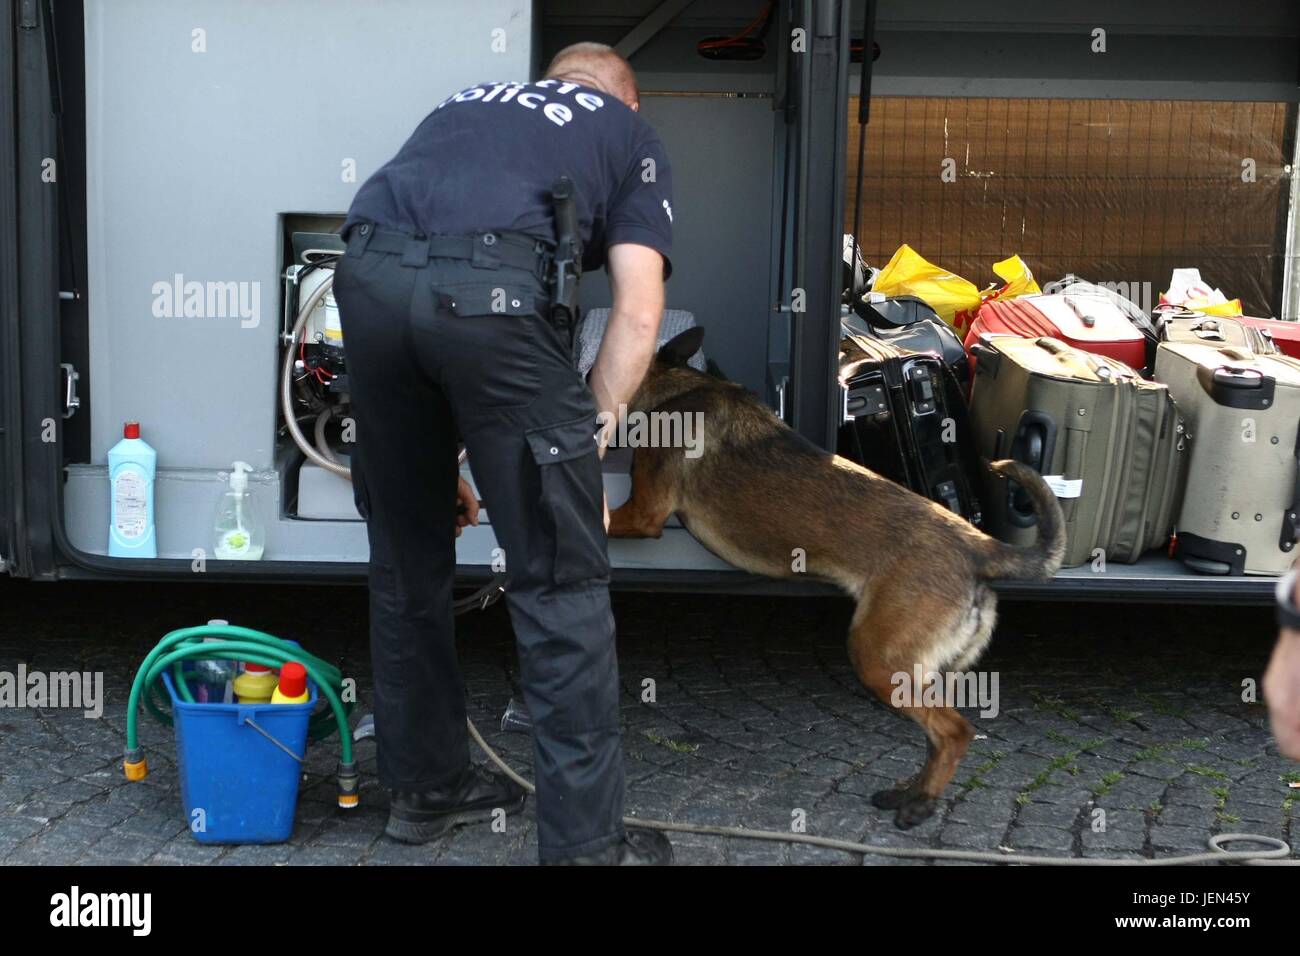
1175	431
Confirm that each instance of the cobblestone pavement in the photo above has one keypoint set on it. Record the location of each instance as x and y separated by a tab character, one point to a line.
1134	711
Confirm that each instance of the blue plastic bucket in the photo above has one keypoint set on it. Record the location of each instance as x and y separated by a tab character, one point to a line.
237	786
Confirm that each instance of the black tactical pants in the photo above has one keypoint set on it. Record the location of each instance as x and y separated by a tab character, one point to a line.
437	345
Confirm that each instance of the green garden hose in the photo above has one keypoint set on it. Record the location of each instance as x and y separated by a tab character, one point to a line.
244	644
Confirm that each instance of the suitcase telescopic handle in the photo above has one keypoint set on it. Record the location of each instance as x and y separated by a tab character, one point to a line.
1087	318
1057	347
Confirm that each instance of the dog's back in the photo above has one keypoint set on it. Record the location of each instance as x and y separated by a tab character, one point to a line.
766	499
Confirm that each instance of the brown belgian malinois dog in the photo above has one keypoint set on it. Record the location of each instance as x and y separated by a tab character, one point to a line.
757	490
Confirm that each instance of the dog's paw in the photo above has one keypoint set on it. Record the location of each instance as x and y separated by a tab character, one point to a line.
913	810
891	799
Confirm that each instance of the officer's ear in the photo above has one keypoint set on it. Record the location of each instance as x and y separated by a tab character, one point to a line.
678	350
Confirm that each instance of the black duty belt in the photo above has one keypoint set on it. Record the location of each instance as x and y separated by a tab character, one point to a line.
483	250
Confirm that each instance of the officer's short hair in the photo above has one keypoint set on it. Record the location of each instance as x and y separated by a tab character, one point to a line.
596	62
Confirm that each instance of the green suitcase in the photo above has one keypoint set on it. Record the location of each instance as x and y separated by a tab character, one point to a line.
1111	445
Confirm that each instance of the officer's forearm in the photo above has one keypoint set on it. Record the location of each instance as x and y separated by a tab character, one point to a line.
636	279
625	354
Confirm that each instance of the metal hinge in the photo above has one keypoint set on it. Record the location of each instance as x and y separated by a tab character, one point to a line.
71	401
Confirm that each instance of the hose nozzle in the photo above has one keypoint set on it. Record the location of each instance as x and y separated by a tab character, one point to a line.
349	785
134	764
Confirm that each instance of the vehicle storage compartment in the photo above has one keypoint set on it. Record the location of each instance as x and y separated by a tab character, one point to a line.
1057	143
202	245
193	238
186	231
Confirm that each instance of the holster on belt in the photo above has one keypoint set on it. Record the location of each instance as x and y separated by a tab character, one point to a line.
566	269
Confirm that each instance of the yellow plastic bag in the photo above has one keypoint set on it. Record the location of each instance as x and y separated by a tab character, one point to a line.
1224	310
955	299
907	273
1019	280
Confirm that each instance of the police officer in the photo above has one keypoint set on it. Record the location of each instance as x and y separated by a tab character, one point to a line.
444	298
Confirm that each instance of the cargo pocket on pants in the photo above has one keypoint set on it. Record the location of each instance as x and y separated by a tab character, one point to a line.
571	498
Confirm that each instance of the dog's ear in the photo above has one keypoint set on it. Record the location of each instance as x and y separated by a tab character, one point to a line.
679	349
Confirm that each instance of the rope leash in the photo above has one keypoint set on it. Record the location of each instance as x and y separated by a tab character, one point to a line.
1277	855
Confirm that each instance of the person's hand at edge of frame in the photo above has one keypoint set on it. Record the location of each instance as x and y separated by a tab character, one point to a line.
1282	679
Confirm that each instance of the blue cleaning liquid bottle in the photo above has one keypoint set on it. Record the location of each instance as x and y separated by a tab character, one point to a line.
131	467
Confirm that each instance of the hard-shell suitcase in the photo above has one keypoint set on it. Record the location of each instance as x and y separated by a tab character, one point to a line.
1243	491
1072	284
1198	328
906	420
894	311
1089	322
1285	336
1110	444
906	322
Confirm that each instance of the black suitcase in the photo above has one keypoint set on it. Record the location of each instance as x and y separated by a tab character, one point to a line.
909	422
910	324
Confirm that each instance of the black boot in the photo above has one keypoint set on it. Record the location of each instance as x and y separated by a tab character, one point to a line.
421	817
639	848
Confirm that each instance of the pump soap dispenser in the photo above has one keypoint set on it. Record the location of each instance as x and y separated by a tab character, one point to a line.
240	533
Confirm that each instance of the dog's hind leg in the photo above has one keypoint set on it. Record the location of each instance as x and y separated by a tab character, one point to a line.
653	498
883	646
949	735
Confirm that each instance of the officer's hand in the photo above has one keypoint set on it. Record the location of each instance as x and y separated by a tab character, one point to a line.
1282	693
466	505
604	500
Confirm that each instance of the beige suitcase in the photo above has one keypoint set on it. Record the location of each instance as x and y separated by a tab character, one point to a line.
1198	329
1243	416
1108	442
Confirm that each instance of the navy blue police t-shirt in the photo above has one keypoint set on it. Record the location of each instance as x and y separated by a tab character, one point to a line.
485	160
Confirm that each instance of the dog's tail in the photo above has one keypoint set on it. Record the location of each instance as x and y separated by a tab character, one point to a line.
1043	559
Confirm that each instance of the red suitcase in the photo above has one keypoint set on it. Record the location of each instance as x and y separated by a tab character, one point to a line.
1285	335
1092	323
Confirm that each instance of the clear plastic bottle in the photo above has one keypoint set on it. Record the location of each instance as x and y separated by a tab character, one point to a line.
240	533
214	680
